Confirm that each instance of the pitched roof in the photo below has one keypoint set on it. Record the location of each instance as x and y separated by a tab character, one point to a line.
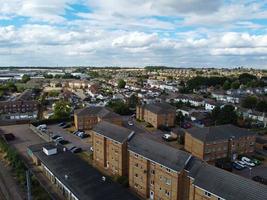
160	153
221	132
84	181
223	183
98	111
112	131
159	108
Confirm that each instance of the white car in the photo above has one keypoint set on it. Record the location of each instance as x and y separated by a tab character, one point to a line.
130	123
248	162
240	163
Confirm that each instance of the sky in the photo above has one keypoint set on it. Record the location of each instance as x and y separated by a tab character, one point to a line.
176	33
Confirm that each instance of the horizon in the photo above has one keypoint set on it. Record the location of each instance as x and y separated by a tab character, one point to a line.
182	34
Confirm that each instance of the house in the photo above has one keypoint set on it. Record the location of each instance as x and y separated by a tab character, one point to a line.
211	143
210	104
157	114
86	118
221	96
110	147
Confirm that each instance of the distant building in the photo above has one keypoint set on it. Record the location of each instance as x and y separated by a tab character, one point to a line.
110	147
86	118
157	114
24	107
217	142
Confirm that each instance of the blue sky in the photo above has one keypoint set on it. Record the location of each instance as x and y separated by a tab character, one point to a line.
184	33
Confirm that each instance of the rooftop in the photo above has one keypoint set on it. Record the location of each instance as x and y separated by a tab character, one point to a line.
112	131
221	132
159	108
158	152
83	180
224	184
98	111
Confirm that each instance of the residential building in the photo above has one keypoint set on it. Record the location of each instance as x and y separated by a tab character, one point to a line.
157	114
74	177
203	181
110	147
211	143
23	107
87	118
155	169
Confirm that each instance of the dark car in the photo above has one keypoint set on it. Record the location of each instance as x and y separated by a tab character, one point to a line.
186	125
237	166
76	150
260	179
66	126
62	142
9	136
55	137
62	124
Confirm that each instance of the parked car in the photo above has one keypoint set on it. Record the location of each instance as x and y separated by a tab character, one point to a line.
237	166
42	126
55	137
71	147
92	149
248	162
186	125
58	139
168	137
66	126
260	179
84	136
76	150
62	124
130	123
256	161
62	142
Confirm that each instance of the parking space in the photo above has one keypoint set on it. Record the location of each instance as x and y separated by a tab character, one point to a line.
73	139
24	137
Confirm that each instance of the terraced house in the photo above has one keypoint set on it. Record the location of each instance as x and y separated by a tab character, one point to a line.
157	114
216	142
156	170
110	147
87	118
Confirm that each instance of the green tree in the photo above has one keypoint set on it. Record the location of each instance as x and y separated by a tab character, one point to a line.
225	115
249	102
261	106
118	106
62	109
25	78
227	85
235	85
133	101
245	78
121	83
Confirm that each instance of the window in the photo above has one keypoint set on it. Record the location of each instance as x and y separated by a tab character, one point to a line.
136	175
152	171
207	194
168	181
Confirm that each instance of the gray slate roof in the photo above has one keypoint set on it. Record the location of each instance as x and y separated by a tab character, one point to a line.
160	108
222	132
98	111
223	183
112	131
158	152
83	180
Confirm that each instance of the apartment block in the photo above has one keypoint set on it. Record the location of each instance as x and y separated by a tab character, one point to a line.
21	108
157	114
87	118
155	170
206	182
110	147
217	142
